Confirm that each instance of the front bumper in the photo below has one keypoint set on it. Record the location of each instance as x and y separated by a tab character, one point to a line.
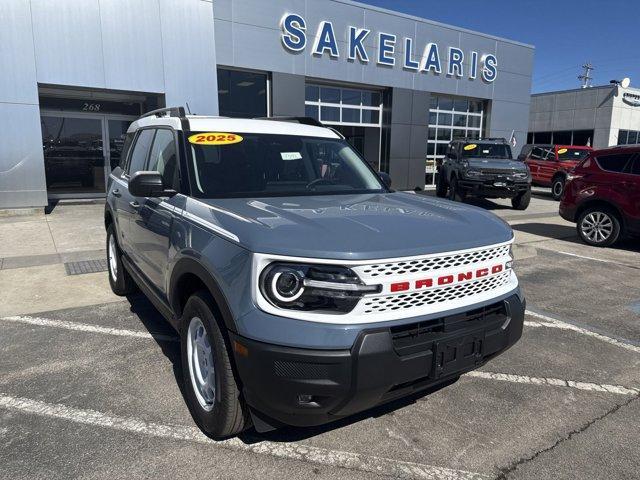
384	364
568	212
488	187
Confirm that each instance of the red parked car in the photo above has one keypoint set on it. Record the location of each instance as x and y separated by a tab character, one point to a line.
602	195
549	164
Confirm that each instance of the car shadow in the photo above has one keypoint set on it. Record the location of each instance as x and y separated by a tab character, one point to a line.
552	231
295	434
156	325
163	334
568	233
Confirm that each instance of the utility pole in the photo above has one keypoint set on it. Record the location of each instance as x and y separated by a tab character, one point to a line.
586	78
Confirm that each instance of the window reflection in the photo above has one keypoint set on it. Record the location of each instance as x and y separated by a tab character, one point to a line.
73	154
242	94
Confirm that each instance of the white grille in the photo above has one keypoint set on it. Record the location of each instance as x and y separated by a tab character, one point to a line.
430	264
434	296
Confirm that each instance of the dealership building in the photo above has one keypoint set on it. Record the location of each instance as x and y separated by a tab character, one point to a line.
76	73
596	116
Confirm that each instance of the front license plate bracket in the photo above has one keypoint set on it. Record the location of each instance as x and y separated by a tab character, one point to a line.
458	354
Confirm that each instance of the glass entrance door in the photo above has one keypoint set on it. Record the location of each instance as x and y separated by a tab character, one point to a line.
80	151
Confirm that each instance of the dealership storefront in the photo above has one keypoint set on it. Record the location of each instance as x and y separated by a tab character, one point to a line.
399	88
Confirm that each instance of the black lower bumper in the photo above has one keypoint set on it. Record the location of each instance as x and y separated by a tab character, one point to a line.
302	387
568	212
480	188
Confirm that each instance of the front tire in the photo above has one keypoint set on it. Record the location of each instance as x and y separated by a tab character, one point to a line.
119	279
557	187
521	201
455	194
211	391
441	186
598	227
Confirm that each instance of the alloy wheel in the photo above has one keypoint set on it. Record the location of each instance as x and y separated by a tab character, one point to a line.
201	367
557	188
113	259
597	227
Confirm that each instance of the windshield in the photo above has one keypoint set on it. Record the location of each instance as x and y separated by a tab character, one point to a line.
572	154
258	165
486	150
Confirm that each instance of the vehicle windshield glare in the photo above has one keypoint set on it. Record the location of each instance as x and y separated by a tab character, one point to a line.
486	150
267	165
572	154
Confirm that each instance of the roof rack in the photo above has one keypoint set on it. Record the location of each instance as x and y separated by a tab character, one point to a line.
301	120
171	111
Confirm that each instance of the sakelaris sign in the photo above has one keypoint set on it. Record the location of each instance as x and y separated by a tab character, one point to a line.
294	39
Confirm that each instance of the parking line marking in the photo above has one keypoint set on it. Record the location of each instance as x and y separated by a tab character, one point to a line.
555	382
555	323
84	327
284	450
585	257
601	260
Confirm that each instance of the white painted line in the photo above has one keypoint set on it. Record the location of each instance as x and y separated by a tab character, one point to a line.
84	327
596	259
285	450
554	323
555	382
586	258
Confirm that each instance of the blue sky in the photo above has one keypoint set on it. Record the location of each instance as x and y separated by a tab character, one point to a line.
566	33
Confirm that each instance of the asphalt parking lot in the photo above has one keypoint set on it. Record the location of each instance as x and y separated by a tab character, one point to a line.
90	382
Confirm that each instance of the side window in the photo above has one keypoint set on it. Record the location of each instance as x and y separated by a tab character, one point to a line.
536	153
128	139
635	170
164	158
614	163
140	151
549	154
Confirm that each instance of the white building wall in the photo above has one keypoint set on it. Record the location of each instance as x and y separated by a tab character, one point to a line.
150	46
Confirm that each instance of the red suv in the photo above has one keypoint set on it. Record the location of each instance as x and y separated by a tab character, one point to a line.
602	195
549	164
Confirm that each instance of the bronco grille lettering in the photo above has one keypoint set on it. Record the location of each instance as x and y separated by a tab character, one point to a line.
447	279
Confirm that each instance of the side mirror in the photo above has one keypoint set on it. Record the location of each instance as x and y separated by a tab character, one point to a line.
148	184
386	179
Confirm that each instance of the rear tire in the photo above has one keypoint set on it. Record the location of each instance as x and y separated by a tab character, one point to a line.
521	201
119	279
599	226
441	186
455	194
557	187
211	391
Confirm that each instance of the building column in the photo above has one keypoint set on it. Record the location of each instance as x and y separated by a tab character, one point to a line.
408	138
22	178
287	95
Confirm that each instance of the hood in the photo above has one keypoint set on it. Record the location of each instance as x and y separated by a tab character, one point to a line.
486	164
353	227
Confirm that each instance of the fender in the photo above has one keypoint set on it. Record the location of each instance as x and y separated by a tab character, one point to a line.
192	266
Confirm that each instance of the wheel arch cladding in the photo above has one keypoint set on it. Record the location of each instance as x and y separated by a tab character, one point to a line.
108	217
189	276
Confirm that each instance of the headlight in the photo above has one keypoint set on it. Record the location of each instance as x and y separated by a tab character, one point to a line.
333	289
521	175
473	173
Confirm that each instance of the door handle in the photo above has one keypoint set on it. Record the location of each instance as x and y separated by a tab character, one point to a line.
116	193
134	204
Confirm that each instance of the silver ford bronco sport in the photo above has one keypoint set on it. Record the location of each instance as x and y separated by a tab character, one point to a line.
303	288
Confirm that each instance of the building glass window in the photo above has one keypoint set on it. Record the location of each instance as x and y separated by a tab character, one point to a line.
242	94
451	118
343	106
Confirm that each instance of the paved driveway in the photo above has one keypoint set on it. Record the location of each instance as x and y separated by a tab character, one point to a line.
90	383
